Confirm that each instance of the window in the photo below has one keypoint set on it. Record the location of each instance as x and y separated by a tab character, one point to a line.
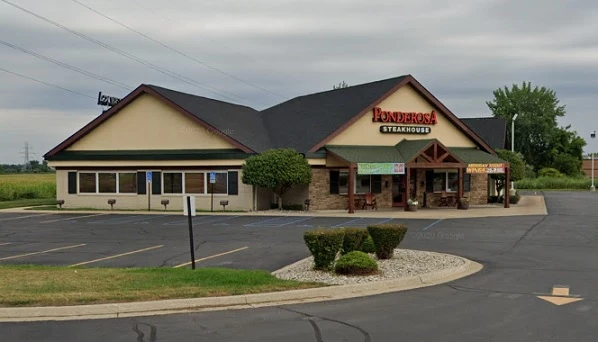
363	183
173	182
446	181
221	185
194	183
107	183
127	183
87	183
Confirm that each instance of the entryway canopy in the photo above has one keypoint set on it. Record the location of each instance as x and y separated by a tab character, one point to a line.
419	154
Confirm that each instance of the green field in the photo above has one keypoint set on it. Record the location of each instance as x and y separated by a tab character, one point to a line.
555	183
29	285
27	186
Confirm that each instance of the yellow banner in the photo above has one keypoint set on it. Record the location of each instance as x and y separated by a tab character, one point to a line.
486	168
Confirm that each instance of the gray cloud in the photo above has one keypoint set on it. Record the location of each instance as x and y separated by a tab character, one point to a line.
461	51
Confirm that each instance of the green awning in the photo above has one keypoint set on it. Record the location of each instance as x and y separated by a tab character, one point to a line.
473	155
368	154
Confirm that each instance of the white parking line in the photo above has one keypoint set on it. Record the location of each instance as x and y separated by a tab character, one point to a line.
4	243
116	256
22	217
71	218
302	219
36	253
212	256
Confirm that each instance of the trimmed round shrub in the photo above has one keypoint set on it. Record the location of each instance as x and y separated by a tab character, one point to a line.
386	238
550	172
368	245
356	263
353	239
324	245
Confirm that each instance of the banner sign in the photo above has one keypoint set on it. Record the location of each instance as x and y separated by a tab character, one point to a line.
380	168
486	168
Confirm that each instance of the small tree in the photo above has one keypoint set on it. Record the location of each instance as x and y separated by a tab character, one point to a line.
278	170
517	168
341	85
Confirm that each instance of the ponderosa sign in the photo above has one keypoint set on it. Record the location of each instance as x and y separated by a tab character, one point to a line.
404	117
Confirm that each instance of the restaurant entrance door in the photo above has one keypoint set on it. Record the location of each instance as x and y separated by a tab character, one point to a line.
399	190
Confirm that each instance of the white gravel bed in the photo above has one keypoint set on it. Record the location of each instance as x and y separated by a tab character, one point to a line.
404	263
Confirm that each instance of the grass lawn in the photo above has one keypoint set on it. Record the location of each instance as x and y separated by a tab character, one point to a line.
26	203
29	285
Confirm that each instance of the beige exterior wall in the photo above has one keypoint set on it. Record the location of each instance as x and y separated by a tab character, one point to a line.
242	201
406	99
149	124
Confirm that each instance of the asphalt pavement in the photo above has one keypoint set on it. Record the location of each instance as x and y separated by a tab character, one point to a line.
524	257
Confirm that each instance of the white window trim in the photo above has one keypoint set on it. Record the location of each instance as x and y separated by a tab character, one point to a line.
97	182
446	181
206	183
354	184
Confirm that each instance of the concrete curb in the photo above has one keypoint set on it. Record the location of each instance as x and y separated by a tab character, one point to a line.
335	292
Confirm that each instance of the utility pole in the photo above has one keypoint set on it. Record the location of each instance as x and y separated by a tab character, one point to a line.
26	155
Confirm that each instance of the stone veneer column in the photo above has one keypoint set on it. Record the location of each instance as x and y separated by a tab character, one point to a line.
479	189
319	192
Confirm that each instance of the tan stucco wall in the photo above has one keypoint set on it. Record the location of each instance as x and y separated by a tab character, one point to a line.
406	99
149	124
242	201
297	195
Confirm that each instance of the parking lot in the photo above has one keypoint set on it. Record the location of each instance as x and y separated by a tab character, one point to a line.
137	240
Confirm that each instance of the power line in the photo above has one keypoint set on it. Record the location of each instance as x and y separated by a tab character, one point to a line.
67	66
120	52
179	52
46	83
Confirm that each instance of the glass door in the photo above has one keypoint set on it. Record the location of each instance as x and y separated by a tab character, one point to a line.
399	190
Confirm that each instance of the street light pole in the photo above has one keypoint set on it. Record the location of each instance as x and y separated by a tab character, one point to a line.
592	188
512	192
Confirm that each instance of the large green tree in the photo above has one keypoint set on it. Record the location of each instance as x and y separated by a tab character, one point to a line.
278	170
538	136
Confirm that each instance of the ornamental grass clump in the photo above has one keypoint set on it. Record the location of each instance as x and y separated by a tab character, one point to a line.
354	238
324	245
356	263
386	238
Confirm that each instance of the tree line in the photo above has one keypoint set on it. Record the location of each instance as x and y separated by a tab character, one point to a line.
34	166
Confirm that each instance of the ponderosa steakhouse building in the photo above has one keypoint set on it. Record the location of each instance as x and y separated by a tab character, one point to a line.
390	138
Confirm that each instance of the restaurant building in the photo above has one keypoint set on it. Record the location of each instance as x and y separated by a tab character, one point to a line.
389	139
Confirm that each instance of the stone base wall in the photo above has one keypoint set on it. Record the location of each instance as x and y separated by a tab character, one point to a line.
319	192
479	189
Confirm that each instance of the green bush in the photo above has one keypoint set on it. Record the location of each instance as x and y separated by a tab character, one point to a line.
324	244
353	239
294	207
368	245
550	172
386	238
356	263
558	183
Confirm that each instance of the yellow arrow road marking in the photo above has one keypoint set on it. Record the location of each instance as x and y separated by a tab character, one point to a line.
36	253
212	256
116	256
560	296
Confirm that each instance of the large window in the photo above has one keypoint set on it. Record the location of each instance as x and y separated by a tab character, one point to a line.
195	183
108	182
87	183
446	181
363	183
173	182
221	184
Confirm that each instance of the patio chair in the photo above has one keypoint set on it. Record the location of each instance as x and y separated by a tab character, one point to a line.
443	199
370	201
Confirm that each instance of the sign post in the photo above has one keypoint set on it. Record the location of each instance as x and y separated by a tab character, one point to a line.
149	176
212	181
190	211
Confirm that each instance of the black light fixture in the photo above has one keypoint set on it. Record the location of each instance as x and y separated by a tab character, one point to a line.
165	202
60	203
224	203
111	202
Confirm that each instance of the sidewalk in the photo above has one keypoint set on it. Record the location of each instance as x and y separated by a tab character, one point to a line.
528	205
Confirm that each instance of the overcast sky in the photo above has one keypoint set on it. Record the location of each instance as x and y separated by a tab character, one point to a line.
259	53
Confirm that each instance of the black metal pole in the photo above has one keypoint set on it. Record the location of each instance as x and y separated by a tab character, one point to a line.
212	199
191	244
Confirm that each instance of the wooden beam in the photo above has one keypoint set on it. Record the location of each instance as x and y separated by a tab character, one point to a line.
426	157
436	165
351	190
460	191
446	154
407	187
435	152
